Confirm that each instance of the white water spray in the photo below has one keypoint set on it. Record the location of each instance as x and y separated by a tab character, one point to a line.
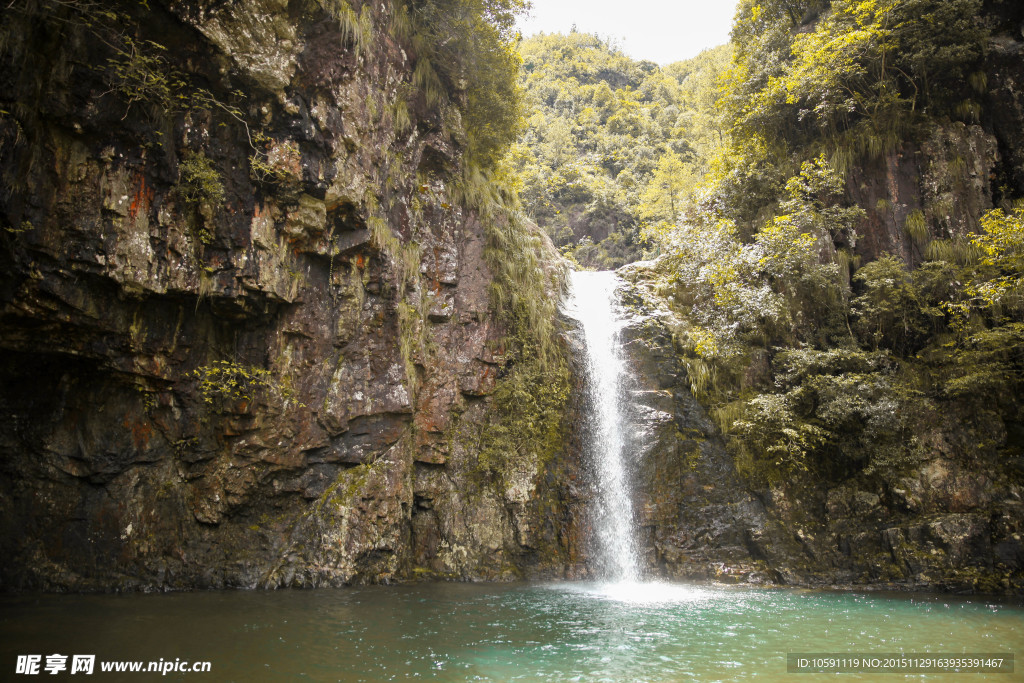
592	303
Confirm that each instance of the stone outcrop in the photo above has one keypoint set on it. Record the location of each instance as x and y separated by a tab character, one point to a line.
946	180
952	521
279	379
698	519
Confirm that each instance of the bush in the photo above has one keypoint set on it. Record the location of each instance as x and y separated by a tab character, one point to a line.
199	182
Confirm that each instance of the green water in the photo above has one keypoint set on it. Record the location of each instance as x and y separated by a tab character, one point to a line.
523	632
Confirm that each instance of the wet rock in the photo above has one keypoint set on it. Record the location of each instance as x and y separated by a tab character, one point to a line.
268	392
950	521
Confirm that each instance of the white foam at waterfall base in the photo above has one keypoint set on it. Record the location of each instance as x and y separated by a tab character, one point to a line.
639	592
591	302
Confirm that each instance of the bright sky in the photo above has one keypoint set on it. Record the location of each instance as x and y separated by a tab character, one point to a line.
663	31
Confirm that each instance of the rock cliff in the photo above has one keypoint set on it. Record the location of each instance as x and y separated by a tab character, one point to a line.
246	311
952	521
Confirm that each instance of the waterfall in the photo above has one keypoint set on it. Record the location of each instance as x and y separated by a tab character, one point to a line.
593	305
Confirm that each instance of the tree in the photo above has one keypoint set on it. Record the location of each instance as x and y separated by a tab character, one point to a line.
663	198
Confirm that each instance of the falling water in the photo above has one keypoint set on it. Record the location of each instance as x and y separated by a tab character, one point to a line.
593	305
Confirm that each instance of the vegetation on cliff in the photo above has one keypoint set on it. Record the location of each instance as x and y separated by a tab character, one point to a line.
279	261
817	350
464	58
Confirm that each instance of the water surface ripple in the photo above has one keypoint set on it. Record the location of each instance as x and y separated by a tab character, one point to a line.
520	632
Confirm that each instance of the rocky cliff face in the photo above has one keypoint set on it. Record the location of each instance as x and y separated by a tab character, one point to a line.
946	180
248	338
958	171
952	521
696	516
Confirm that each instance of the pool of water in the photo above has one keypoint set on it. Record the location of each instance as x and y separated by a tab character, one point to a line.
519	632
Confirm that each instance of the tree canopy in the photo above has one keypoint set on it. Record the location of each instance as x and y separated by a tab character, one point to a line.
612	144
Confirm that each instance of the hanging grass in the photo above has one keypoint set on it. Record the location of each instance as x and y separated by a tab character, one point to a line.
916	228
356	28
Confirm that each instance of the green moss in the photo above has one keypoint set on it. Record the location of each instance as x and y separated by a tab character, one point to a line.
982	580
528	420
348	485
413	337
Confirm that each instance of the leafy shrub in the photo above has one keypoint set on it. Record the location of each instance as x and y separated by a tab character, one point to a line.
199	182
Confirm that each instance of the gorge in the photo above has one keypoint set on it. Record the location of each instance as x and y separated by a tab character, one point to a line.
275	311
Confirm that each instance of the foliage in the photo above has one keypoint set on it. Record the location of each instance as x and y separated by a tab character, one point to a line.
141	73
771	427
993	281
466	50
662	201
199	182
530	419
356	28
842	70
866	63
829	400
201	189
228	381
524	291
765	291
810	360
229	386
833	411
276	165
888	312
815	201
852	79
988	366
1003	239
613	145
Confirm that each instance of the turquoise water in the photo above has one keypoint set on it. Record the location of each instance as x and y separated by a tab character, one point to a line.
520	632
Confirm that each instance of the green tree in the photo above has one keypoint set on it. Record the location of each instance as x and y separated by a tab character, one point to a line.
663	198
887	312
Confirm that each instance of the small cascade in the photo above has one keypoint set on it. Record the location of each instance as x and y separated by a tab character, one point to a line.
591	302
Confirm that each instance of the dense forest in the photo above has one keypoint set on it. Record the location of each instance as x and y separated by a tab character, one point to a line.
613	146
817	350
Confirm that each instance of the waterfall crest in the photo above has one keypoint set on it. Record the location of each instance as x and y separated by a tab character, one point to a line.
591	302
